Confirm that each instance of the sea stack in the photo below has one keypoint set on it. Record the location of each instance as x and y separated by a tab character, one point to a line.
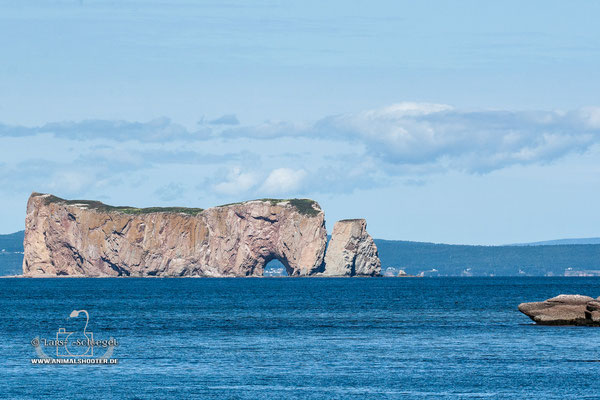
351	250
90	238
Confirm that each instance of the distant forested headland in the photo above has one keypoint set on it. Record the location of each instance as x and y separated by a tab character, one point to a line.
11	253
455	260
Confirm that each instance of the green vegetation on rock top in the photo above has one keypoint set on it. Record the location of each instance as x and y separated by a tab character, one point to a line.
99	206
304	206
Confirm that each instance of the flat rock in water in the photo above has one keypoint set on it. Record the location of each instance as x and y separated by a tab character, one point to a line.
565	309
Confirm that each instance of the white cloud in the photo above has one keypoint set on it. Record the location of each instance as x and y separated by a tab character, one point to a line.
439	136
405	142
407	109
473	141
72	181
156	130
227	119
283	181
237	182
401	135
591	117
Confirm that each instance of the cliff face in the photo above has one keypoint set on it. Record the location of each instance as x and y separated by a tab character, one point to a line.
351	250
92	239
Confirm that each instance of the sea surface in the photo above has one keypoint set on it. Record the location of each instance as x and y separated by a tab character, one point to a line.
280	338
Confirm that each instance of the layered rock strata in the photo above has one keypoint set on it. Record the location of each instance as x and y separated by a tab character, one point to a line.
351	250
564	310
88	238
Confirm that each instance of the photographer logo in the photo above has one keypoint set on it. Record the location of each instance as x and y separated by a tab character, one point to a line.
74	346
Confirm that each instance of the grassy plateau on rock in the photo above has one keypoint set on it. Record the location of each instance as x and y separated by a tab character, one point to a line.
303	206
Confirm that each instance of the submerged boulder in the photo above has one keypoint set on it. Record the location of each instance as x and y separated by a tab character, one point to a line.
351	250
565	309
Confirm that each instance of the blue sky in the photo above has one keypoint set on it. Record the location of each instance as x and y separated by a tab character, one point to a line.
457	122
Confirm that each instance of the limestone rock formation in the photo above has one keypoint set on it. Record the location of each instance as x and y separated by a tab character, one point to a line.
564	310
89	238
351	250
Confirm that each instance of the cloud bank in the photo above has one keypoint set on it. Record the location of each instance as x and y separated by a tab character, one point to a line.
400	144
413	134
404	134
156	130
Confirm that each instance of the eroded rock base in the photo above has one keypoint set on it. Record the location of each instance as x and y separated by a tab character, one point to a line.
565	309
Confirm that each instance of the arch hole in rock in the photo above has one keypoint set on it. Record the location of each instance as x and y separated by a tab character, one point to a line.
275	268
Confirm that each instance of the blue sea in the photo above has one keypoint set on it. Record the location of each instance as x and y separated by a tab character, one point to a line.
295	338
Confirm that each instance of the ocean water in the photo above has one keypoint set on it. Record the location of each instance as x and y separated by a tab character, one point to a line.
279	338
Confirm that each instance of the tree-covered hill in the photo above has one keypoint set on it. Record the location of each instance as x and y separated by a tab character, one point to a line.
11	253
415	257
